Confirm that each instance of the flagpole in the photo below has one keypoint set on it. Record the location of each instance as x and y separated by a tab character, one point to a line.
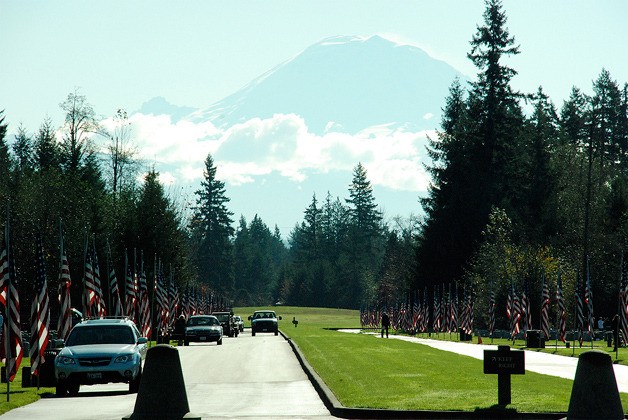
573	350
152	301
619	308
108	287
7	334
590	304
558	314
86	305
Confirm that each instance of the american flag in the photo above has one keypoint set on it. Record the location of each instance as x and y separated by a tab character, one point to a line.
579	313
173	298
623	299
89	286
545	303
436	317
491	312
40	312
65	308
12	333
129	308
426	312
114	291
516	314
453	303
4	276
526	316
562	313
588	299
100	307
416	312
509	305
161	299
144	314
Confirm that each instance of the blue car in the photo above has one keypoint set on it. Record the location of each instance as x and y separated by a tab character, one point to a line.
100	351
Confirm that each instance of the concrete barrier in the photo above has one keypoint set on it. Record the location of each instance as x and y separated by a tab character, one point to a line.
594	394
162	392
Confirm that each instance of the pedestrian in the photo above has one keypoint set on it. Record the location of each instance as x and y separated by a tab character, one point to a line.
600	324
385	323
179	329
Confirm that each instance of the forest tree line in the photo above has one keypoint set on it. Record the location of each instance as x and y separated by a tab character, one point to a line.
521	190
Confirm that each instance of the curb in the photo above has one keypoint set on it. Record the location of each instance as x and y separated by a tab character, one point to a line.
338	410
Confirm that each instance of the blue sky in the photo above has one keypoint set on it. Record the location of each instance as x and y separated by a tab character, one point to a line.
194	53
120	53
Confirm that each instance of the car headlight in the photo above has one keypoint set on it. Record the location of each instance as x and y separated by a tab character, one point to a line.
123	359
63	360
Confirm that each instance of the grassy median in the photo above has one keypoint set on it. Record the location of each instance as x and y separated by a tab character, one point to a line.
364	371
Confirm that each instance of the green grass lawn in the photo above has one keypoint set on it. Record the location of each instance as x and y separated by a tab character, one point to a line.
364	371
19	396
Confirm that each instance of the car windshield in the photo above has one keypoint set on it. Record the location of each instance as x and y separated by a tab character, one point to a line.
193	322
101	334
259	315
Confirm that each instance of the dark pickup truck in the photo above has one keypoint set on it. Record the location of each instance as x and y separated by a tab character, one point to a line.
229	326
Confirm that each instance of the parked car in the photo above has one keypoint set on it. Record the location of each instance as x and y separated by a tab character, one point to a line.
239	322
203	328
229	327
99	351
264	321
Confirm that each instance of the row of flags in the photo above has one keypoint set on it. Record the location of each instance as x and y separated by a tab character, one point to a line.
445	317
135	303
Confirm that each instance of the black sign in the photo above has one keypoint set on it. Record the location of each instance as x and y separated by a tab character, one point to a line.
504	362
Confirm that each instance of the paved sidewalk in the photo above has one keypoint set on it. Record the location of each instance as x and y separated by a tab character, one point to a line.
539	362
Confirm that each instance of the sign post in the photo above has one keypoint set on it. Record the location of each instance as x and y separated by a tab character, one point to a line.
504	363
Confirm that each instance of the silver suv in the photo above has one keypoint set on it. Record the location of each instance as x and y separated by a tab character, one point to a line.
100	351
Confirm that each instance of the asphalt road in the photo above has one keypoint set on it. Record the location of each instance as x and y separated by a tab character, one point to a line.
246	377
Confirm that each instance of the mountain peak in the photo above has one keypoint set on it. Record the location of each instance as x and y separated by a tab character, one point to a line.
345	82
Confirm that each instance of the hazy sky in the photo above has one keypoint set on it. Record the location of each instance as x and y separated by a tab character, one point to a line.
121	54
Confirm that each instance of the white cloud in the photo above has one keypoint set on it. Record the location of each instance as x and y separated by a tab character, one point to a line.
246	152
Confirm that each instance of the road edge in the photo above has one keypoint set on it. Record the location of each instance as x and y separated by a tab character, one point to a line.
338	410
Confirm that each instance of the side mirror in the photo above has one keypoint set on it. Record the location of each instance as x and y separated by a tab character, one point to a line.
142	340
59	343
250	317
280	318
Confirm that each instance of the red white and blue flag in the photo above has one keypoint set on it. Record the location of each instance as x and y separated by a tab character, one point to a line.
40	312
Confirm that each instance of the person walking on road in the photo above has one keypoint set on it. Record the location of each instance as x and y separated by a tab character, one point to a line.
385	324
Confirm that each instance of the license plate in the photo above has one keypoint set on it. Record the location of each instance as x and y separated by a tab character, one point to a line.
264	329
203	338
96	375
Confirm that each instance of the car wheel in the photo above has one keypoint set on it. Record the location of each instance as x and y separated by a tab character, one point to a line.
186	343
134	385
219	342
73	389
253	333
62	390
276	332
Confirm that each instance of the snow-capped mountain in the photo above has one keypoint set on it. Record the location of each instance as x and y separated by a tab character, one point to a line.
344	84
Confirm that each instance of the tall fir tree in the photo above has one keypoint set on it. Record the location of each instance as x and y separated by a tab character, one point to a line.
212	231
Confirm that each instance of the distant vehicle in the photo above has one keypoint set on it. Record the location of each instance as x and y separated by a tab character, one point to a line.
99	351
203	328
264	321
239	322
229	327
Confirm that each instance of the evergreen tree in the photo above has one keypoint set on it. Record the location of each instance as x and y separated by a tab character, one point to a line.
477	161
47	153
23	150
212	230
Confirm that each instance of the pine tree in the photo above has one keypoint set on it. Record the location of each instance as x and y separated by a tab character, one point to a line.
212	229
477	158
